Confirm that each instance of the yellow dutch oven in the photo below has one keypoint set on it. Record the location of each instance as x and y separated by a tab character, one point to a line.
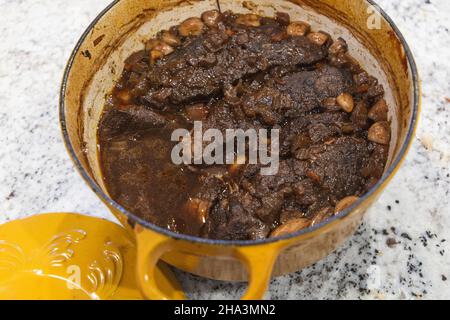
122	28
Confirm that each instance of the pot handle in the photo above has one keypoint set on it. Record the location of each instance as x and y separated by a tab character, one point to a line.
155	279
260	262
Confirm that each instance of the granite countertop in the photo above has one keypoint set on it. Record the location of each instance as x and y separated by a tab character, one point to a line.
400	251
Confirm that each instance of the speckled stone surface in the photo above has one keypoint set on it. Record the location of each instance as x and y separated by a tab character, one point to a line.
400	251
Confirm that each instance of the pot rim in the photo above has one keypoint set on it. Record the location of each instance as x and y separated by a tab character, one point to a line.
379	186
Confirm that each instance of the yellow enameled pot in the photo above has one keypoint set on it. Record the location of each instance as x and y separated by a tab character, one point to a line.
123	27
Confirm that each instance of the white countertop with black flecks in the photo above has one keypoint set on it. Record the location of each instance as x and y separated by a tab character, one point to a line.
401	250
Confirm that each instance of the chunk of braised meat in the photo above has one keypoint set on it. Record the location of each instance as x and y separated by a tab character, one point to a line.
211	187
360	115
367	87
267	104
257	203
144	116
302	132
271	205
112	124
331	172
203	65
309	88
223	116
287	174
295	94
138	62
374	167
299	186
232	219
220	117
338	166
129	118
273	191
